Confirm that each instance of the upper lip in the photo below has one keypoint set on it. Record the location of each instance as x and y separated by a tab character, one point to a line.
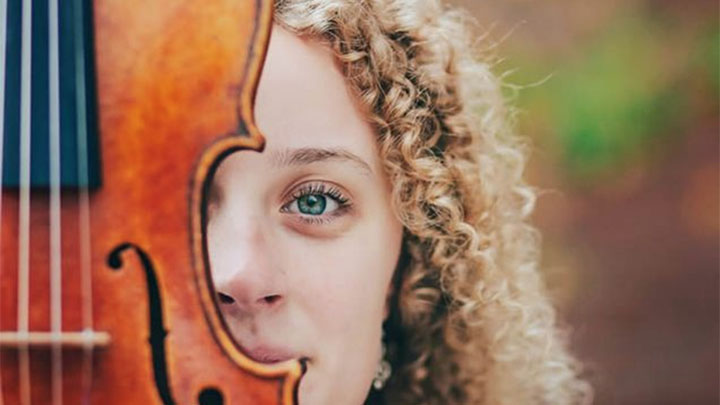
269	354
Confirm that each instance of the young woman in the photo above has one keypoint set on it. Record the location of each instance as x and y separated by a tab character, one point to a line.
381	235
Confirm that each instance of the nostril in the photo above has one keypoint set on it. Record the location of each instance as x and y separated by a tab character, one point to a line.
271	299
225	299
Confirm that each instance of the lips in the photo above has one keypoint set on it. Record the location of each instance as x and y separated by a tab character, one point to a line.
268	354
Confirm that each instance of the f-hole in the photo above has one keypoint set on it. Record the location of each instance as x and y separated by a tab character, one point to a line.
156	326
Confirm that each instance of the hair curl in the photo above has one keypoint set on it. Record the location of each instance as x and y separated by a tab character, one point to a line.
471	322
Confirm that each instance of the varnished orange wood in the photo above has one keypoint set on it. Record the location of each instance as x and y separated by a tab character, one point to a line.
176	81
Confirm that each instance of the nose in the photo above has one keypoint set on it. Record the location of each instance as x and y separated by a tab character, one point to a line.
244	272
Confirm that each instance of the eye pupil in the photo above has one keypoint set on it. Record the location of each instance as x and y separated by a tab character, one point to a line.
312	204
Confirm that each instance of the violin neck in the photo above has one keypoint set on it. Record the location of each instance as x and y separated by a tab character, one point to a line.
47	85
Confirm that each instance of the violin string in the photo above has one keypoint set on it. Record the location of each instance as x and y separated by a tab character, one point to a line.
84	198
55	234
3	27
24	209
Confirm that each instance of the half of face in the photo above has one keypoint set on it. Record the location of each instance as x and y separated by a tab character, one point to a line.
302	238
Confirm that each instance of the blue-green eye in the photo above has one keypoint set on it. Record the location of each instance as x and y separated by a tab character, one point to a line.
316	200
312	204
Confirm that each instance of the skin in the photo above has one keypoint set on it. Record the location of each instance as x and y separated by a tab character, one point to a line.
297	279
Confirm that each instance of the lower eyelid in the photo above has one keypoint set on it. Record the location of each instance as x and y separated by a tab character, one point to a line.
325	218
313	220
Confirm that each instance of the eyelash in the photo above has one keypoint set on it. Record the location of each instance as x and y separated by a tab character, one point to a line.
333	192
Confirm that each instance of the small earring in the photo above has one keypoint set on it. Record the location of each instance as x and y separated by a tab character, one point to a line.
383	371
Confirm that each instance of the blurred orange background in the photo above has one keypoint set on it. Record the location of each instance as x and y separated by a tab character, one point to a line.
620	99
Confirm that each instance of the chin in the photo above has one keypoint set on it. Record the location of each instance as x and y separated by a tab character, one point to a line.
325	391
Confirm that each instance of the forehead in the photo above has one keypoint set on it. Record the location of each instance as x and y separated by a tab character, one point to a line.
303	101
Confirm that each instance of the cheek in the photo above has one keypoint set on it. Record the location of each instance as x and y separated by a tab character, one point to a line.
343	282
340	285
342	288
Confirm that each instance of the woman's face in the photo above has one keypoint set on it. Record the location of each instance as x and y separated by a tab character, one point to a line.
302	238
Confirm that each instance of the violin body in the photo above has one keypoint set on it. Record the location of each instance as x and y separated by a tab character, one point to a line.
175	86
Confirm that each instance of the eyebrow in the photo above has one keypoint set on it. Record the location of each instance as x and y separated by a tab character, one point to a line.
306	156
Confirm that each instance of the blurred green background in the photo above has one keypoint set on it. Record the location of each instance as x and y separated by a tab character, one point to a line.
620	99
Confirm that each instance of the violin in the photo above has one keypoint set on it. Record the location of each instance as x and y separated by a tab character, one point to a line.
116	114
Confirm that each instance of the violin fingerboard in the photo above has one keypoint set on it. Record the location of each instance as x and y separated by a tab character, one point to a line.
78	134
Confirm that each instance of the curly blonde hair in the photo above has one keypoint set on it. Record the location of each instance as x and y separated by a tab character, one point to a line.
470	322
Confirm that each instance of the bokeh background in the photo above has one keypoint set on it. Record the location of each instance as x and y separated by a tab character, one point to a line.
620	99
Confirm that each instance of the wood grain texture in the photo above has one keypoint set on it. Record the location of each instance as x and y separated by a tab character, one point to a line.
176	83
